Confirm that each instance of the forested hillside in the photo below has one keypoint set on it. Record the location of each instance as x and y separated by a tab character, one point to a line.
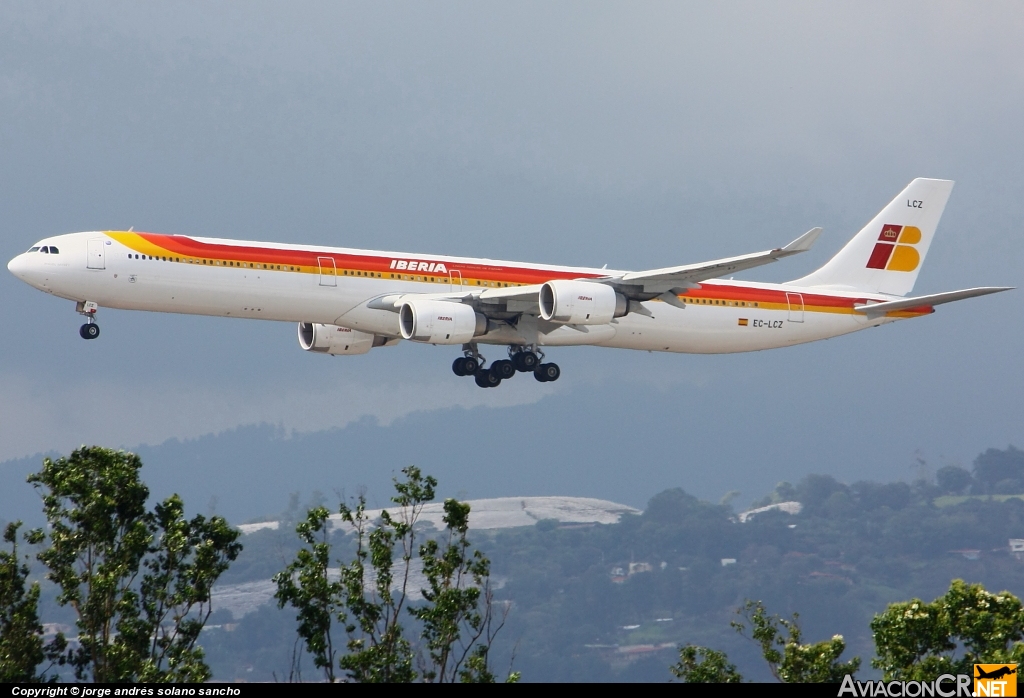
612	602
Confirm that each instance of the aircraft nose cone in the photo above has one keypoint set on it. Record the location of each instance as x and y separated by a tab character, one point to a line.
17	266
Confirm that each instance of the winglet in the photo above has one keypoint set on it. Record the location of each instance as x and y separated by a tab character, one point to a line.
804	242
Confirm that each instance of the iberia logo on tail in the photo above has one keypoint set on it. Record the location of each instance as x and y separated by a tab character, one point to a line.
895	249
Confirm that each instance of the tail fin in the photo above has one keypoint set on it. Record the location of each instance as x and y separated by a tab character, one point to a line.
886	255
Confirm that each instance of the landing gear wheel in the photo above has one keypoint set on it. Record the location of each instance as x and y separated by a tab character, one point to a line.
546	373
503	369
89	330
470	366
485	378
525	361
459	366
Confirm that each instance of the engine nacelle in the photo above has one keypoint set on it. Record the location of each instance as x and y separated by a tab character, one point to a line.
331	339
440	322
580	303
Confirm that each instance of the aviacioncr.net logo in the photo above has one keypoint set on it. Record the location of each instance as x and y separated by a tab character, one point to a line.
895	249
995	679
945	686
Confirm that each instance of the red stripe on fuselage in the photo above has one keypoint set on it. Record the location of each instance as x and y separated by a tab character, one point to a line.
189	247
709	289
186	246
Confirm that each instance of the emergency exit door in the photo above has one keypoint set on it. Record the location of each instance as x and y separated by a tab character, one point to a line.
328	271
796	306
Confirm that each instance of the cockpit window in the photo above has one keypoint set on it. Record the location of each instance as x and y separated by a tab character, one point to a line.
54	250
34	249
44	250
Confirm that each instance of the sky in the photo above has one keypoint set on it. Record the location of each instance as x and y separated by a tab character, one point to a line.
633	135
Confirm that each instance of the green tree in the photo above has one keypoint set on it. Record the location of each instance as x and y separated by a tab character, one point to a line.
188	556
457	634
138	580
372	591
789	659
952	479
703	665
306	585
967	625
21	634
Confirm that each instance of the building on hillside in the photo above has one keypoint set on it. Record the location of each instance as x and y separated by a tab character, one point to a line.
788	507
621	574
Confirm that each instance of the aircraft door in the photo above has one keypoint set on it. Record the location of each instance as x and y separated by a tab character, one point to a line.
328	271
455	277
96	258
796	307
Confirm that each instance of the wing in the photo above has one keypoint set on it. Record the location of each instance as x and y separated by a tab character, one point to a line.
635	285
873	310
506	297
657	281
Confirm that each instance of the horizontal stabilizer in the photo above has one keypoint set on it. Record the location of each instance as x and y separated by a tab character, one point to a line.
876	309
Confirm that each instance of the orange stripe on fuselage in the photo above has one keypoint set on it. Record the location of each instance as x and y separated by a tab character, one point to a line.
309	261
770	299
189	250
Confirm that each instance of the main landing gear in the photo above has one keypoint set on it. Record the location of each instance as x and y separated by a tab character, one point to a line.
90	330
521	360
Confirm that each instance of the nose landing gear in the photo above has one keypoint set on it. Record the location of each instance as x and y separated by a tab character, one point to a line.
90	330
521	359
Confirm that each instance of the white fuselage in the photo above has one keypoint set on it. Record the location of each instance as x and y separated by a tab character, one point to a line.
335	286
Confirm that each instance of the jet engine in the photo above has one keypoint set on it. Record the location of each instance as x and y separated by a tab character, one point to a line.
580	303
331	339
440	322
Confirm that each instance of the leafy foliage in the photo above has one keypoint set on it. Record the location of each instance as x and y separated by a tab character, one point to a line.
187	558
138	581
21	634
999	472
703	665
373	589
967	625
453	625
952	479
306	585
789	660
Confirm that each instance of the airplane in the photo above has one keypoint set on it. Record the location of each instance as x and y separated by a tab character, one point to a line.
999	673
348	301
